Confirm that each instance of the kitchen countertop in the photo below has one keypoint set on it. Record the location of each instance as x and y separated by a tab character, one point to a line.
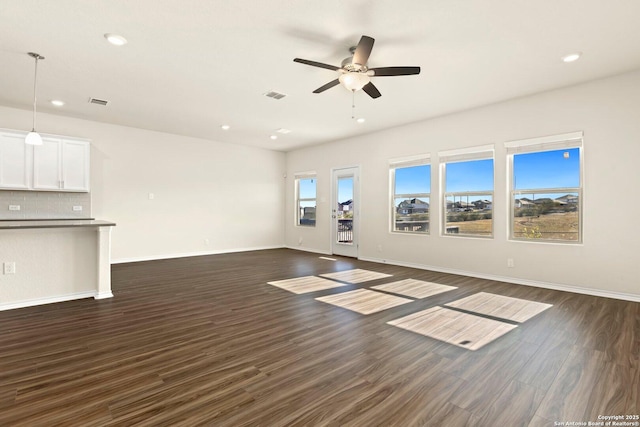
54	223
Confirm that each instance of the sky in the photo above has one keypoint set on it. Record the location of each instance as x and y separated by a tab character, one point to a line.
547	169
539	170
307	188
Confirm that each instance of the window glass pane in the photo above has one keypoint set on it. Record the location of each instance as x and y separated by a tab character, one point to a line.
413	180
469	214
547	169
411	215
546	200
308	213
306	200
412	185
307	188
468	200
475	175
547	216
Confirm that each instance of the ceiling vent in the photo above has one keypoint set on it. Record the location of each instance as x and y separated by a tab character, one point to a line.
98	101
275	95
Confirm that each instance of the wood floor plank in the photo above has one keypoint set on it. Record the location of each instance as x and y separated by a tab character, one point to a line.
514	406
205	341
568	397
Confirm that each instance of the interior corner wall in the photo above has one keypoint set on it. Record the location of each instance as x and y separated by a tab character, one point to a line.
606	110
208	196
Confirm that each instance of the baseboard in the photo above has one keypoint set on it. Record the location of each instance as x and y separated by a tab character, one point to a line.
191	254
515	280
103	295
48	300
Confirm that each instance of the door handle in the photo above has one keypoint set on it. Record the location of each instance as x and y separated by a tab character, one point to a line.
333	216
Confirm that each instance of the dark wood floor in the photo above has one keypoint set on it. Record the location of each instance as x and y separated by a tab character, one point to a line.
206	341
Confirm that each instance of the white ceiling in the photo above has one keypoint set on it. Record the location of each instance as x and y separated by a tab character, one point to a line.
193	65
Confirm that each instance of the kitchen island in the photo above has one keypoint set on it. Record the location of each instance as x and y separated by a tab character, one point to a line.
47	261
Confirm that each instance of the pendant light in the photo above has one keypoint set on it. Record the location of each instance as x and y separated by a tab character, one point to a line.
33	137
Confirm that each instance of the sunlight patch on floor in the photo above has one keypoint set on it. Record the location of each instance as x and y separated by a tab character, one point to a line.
364	301
514	309
355	276
453	327
414	288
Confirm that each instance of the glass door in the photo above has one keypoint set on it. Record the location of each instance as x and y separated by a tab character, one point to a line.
344	213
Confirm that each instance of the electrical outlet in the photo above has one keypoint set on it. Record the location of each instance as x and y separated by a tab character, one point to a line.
152	196
9	268
77	208
14	207
510	263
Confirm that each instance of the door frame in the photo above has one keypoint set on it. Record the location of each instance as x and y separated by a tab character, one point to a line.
337	248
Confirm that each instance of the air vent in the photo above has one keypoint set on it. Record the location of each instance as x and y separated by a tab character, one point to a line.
98	101
275	95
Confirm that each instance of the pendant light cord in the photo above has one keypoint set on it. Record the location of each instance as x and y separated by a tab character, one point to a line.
35	86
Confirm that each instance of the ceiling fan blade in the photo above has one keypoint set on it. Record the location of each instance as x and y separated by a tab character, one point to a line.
329	85
316	64
371	90
394	71
363	50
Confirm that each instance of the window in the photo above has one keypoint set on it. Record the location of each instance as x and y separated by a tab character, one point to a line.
306	200
546	188
411	187
467	205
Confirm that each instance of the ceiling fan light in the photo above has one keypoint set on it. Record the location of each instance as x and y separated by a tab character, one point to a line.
354	80
33	138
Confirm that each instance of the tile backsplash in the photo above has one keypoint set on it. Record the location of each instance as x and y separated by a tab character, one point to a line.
44	205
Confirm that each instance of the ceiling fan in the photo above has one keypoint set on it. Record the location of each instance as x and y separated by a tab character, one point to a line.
354	73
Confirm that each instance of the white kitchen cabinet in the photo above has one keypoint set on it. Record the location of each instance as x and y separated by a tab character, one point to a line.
15	162
61	164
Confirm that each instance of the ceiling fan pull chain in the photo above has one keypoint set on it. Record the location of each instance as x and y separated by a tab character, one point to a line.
353	104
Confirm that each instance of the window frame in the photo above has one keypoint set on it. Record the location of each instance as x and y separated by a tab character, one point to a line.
401	163
537	145
484	152
298	199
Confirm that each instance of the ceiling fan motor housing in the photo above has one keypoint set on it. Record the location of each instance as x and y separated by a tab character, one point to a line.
347	64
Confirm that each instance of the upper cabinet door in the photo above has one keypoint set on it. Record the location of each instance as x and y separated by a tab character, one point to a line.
47	164
75	165
14	162
59	164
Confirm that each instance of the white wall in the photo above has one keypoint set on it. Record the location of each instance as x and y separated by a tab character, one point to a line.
229	194
608	111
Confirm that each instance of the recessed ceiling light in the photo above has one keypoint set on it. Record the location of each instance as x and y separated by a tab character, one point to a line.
115	39
360	120
274	137
572	57
57	102
225	127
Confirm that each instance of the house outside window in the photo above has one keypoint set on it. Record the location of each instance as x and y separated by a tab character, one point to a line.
305	199
410	181
546	188
467	176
